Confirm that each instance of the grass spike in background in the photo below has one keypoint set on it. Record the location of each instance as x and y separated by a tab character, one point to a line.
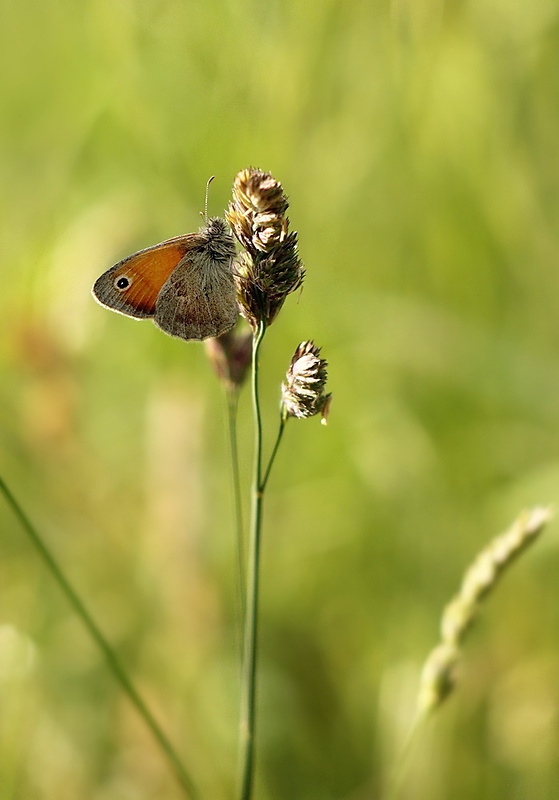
482	577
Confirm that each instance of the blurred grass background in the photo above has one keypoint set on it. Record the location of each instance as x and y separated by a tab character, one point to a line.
418	143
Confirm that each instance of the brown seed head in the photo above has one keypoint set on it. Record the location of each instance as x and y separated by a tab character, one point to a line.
302	392
257	211
271	268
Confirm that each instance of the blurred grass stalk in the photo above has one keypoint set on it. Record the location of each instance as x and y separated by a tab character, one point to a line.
438	676
113	663
230	356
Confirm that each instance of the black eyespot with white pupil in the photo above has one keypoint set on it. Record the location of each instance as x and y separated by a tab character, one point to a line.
122	283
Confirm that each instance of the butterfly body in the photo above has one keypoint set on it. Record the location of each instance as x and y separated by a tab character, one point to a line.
184	284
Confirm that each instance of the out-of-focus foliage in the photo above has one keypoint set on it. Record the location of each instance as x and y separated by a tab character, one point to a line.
418	143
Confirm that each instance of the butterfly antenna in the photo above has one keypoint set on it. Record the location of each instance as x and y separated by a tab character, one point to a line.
207	193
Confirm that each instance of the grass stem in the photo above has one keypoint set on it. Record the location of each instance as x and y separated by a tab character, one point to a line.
283	420
112	661
232	407
248	688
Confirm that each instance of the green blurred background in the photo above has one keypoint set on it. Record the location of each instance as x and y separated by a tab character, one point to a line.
417	141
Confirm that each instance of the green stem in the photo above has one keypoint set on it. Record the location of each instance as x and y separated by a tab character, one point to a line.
232	407
248	688
112	661
283	420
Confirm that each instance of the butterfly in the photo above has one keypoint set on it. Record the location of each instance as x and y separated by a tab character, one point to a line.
185	284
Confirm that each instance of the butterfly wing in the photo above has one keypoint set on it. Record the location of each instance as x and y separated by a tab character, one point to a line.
132	286
199	298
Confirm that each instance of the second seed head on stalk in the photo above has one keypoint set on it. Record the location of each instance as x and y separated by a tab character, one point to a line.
270	268
303	391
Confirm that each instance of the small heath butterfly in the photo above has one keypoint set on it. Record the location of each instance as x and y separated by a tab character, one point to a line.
184	284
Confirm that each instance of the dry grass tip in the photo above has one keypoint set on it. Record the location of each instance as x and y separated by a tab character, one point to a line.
270	269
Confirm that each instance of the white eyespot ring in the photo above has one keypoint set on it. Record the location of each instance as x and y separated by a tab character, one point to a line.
122	283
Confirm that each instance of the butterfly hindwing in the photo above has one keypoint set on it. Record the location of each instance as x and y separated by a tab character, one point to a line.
198	300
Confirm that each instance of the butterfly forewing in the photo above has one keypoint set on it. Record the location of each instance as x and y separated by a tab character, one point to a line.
132	286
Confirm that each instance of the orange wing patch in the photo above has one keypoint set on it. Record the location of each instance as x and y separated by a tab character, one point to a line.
148	270
132	286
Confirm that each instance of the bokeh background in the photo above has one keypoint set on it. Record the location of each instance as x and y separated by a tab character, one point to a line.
417	141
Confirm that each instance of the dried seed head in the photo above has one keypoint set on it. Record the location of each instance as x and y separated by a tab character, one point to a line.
302	392
271	268
230	356
257	212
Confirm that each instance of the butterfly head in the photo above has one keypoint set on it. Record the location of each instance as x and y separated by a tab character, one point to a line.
219	241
